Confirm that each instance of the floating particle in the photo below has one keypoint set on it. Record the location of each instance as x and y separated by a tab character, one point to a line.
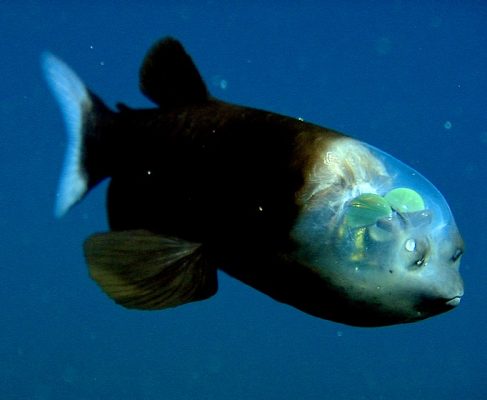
219	82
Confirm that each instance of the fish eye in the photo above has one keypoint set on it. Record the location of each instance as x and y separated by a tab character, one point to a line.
457	254
418	250
420	262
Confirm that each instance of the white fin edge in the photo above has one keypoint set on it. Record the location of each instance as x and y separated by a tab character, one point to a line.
74	101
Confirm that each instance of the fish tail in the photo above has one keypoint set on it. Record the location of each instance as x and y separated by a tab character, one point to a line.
86	118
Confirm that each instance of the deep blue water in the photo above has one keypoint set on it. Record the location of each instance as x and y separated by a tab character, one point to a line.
409	77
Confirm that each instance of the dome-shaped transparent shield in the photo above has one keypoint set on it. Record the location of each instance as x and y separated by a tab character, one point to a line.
377	230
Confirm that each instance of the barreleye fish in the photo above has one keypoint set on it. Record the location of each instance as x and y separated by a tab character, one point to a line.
313	218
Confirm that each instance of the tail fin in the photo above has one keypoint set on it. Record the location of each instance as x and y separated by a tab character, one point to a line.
84	115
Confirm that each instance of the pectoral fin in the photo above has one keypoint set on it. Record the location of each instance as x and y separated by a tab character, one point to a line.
142	270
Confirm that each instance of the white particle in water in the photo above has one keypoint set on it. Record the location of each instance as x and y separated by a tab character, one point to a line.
219	82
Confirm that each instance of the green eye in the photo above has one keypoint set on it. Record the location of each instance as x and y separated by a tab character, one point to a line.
405	200
367	209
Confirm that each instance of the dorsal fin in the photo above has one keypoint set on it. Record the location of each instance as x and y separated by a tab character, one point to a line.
169	77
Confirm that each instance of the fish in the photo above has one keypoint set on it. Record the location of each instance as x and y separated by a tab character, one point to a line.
313	218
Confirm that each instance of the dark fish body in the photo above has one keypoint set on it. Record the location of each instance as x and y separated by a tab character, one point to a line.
222	175
297	211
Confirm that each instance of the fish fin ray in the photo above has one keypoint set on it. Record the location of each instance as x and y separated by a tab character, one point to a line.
83	114
139	269
169	77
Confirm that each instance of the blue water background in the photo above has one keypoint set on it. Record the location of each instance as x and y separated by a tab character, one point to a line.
409	77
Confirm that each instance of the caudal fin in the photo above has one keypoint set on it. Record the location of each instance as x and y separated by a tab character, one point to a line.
84	116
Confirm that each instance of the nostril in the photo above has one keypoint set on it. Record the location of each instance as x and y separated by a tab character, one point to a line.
457	254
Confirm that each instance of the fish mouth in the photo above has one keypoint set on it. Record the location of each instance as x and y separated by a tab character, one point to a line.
454	301
440	305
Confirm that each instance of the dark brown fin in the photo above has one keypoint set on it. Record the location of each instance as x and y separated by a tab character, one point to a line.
139	269
169	77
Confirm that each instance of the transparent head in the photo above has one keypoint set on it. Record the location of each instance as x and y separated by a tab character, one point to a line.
380	234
